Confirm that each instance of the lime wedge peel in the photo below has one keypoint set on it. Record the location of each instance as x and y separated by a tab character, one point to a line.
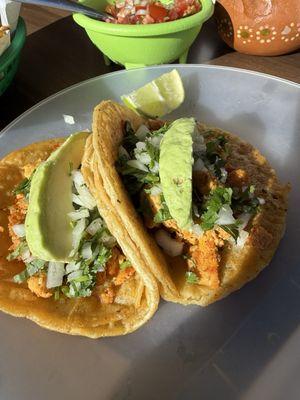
158	97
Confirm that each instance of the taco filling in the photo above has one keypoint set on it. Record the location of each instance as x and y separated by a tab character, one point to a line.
97	266
193	198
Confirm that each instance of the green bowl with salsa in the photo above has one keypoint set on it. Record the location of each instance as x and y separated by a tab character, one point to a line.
136	46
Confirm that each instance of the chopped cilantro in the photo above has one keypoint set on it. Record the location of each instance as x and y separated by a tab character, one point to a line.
245	201
102	258
216	199
56	294
21	277
232	229
216	148
161	131
191	277
18	251
216	155
125	264
23	187
130	139
70	168
163	213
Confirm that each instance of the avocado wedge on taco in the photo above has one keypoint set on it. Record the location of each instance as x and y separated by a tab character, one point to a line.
204	209
59	264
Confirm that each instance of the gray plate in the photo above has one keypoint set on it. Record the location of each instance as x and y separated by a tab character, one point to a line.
246	346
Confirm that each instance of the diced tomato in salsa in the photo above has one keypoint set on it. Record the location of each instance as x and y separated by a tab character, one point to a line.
150	12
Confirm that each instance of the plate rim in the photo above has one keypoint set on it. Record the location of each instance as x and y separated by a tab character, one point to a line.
124	71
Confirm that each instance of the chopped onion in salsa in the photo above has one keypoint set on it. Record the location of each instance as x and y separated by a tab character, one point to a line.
150	12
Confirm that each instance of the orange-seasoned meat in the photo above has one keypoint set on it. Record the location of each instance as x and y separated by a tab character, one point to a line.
100	278
37	285
204	182
155	205
260	237
112	266
123	275
206	260
17	214
108	295
238	178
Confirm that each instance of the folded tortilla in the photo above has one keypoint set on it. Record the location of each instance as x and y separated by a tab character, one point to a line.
136	300
238	265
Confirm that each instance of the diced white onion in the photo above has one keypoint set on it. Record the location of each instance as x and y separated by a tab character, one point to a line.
108	240
171	246
85	197
141	12
123	152
26	256
76	199
199	165
241	240
198	143
224	175
196	211
75	215
261	200
197	230
86	251
155	140
143	158
74	275
138	165
244	219
69	119
155	168
19	230
140	146
143	130
72	266
77	178
155	190
77	234
94	226
56	271
225	216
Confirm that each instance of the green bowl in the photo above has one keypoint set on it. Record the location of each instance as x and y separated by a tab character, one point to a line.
9	60
137	46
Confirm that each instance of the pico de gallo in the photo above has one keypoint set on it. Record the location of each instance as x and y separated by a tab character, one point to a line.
149	11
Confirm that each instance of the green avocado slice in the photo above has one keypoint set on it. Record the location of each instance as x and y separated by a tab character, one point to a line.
47	224
175	170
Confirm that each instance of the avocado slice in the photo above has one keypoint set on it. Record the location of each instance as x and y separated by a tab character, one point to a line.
48	226
175	170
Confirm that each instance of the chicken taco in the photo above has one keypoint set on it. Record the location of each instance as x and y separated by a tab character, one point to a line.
204	209
59	264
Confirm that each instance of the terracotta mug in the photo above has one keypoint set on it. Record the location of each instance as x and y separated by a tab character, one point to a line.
261	27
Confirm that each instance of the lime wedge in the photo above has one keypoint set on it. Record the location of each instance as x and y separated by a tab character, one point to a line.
157	98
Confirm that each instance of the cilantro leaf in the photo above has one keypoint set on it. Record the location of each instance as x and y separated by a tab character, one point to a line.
216	199
161	131
163	213
125	264
216	148
191	277
23	187
232	229
245	201
22	246
130	139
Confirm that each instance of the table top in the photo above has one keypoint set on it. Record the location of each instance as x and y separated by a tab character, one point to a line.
61	54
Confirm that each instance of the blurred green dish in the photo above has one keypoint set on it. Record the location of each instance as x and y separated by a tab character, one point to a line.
141	45
9	60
